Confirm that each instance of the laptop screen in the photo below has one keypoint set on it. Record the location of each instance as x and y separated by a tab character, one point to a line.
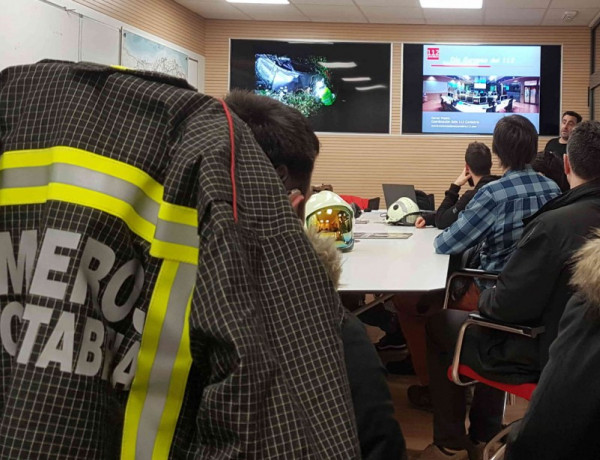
393	192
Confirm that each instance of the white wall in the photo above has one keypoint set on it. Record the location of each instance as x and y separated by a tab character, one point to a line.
32	30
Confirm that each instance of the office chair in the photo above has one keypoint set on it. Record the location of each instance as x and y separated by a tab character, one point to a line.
466	273
456	370
509	106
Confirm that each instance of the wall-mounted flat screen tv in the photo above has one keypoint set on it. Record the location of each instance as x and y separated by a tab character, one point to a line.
341	87
466	89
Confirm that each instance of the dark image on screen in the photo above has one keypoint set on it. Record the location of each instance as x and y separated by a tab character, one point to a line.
466	89
340	87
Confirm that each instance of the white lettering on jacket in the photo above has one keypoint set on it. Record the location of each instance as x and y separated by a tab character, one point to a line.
42	336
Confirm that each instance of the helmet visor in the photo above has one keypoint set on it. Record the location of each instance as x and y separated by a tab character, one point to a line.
334	222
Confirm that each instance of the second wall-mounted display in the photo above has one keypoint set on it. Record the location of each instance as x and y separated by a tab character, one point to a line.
466	89
341	87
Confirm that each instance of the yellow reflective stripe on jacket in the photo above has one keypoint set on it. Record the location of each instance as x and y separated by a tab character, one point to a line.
80	177
181	370
158	387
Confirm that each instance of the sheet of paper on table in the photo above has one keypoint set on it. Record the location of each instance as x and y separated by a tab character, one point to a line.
396	236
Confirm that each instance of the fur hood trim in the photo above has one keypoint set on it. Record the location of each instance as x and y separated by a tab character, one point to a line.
328	254
586	275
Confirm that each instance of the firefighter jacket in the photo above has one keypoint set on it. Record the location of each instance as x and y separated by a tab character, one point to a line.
158	296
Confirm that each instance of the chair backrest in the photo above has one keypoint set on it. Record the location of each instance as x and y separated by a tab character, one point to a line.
425	201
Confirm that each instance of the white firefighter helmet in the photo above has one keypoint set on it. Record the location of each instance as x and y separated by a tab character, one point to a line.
332	217
403	211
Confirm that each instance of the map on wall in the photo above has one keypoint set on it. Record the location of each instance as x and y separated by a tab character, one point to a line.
144	54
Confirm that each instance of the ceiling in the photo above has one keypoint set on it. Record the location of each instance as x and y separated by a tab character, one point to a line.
494	12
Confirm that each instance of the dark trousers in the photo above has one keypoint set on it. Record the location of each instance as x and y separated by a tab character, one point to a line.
449	404
379	434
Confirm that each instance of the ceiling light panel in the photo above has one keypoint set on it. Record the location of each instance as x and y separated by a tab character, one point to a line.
454	4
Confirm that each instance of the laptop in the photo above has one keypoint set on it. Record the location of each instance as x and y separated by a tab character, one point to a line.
393	192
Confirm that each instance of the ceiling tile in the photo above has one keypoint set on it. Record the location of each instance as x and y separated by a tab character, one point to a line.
272	12
453	16
214	9
331	13
516	3
514	17
322	2
574	4
584	17
396	3
393	15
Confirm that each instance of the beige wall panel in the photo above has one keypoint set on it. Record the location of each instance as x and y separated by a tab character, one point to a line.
163	18
359	164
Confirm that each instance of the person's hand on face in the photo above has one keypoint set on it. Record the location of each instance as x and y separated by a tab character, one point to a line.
464	176
420	222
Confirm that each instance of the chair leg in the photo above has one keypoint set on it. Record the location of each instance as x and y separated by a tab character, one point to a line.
499	455
496	443
506	402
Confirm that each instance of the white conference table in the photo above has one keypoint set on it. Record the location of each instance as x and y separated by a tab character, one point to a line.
392	265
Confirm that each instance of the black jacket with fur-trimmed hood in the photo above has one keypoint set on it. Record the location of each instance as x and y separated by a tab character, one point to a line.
563	419
379	434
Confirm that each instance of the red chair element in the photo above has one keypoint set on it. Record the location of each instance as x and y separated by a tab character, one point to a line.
363	203
523	390
456	370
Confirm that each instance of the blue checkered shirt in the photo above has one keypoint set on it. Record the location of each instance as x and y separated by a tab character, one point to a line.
495	217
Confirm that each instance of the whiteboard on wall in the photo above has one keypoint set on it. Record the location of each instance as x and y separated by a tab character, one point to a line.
99	42
33	30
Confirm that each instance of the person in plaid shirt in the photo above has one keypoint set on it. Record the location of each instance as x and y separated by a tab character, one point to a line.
494	218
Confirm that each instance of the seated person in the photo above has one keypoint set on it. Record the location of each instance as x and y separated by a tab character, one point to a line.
558	145
291	145
551	166
532	289
493	219
478	163
494	216
566	393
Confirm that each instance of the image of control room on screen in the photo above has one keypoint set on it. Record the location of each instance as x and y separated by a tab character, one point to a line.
475	94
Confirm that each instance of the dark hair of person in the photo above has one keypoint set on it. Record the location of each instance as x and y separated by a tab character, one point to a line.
515	142
549	165
282	132
479	158
583	150
573	114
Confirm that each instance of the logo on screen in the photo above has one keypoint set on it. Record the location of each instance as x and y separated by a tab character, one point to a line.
433	54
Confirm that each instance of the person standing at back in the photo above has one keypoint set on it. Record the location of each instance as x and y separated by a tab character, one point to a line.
558	145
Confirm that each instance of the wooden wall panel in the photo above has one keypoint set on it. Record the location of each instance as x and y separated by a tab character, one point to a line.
163	18
359	164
